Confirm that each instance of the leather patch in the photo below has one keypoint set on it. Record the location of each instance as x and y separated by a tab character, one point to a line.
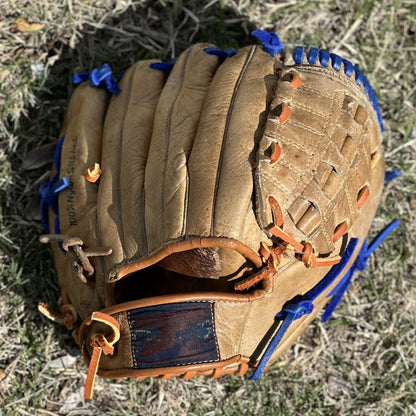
173	334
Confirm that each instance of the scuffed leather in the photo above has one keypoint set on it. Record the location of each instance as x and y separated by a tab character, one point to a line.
186	181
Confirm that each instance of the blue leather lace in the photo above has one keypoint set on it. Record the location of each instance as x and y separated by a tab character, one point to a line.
49	191
300	306
100	77
325	59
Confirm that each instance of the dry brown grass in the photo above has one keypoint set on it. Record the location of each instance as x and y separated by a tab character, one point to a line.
362	363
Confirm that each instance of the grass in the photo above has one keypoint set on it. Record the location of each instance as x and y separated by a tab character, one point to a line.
362	363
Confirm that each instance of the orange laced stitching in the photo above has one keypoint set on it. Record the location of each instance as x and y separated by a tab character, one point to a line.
276	211
272	254
296	81
188	375
275	255
285	113
253	279
100	344
275	154
264	251
292	77
362	196
340	230
239	370
308	256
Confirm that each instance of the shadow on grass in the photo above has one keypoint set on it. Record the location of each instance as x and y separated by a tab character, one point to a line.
157	31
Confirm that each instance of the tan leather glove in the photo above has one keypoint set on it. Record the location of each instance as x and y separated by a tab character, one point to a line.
201	218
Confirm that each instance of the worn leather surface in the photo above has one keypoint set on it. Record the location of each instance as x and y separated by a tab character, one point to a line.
326	147
198	179
187	179
83	130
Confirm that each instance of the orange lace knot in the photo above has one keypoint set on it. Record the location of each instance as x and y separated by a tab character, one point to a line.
93	174
101	343
275	257
305	249
307	256
271	255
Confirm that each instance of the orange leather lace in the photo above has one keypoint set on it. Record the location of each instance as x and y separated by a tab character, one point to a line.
101	343
67	317
239	369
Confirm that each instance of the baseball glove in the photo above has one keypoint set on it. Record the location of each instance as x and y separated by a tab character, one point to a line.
202	212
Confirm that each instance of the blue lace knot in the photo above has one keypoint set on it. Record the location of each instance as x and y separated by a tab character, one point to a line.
270	41
99	77
297	310
165	67
100	74
49	191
